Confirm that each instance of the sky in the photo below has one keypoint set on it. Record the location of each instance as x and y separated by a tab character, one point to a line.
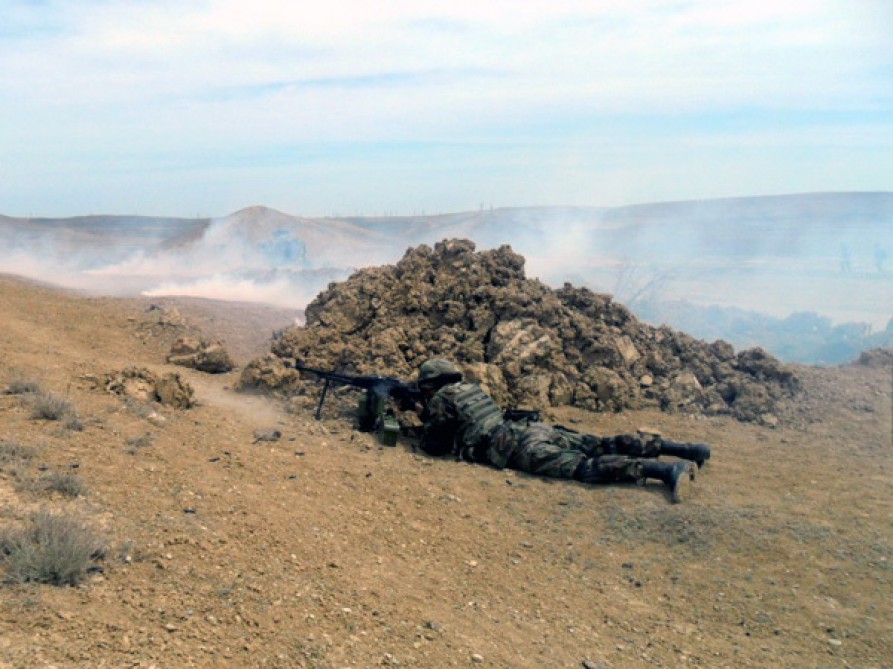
346	107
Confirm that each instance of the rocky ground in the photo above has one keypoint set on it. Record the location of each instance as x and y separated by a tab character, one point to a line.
227	545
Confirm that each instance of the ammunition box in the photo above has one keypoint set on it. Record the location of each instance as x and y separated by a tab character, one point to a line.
388	431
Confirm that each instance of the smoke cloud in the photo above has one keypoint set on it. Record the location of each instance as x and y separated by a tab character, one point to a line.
753	271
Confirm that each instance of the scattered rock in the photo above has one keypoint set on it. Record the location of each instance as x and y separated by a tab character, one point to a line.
269	434
589	664
156	419
169	317
769	420
172	390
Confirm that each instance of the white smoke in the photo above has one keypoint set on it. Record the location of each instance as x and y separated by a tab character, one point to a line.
280	292
825	253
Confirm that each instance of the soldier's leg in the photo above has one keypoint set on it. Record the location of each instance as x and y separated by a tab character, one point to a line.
697	453
544	451
614	468
621	444
644	446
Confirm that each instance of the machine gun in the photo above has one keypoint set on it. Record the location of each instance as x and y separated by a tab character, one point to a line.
526	416
372	413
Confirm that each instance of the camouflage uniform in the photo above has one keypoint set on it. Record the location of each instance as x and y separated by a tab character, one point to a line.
462	420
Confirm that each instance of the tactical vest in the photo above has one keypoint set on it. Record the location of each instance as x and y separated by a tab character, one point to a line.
477	414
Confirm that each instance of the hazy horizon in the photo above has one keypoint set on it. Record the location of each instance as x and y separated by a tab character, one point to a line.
345	215
721	268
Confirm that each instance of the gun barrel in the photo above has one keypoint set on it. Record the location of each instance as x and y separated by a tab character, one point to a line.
405	394
364	382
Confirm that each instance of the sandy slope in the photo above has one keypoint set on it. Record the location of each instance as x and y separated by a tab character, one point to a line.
324	549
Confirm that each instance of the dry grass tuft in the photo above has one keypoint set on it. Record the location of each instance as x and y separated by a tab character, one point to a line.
22	387
58	549
13	451
66	484
47	406
134	444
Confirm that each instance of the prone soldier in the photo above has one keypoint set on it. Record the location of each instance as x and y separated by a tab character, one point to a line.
460	419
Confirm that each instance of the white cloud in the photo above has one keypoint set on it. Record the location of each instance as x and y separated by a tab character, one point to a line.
102	86
141	51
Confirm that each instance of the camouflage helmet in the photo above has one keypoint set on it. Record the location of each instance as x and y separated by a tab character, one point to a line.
432	370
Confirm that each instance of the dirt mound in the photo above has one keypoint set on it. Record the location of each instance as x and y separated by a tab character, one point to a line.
141	384
528	344
876	357
201	354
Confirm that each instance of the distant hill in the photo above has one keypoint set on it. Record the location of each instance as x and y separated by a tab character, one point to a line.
827	253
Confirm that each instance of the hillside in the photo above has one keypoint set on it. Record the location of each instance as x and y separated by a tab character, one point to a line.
824	254
324	549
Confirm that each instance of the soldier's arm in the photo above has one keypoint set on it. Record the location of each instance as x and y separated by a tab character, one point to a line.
439	427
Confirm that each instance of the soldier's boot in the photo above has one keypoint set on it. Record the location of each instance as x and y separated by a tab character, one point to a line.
697	453
677	475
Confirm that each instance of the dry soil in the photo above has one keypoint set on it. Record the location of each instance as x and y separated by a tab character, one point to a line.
325	549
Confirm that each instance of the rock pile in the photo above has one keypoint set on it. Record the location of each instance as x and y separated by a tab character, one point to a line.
526	343
201	354
144	385
876	357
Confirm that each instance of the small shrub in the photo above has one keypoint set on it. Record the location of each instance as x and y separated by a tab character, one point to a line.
140	442
135	444
9	539
74	423
55	548
11	451
15	459
22	387
66	484
47	406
